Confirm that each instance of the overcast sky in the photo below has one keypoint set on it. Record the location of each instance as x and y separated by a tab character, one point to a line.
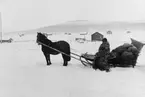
29	14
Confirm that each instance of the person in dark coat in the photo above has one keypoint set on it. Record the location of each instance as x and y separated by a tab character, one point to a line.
101	58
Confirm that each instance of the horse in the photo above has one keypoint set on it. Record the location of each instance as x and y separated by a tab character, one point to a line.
54	48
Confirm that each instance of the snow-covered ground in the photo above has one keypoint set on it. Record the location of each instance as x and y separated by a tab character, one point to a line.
23	73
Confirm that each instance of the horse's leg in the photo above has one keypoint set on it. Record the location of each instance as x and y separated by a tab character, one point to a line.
47	57
64	60
65	63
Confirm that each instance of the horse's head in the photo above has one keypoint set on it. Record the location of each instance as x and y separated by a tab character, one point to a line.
40	37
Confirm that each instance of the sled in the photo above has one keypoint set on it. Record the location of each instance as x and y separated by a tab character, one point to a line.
139	45
89	58
7	41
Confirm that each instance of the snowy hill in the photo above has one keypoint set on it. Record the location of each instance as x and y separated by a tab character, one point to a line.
85	26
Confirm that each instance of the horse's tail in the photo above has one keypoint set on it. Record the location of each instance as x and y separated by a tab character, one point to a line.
68	58
69	53
66	49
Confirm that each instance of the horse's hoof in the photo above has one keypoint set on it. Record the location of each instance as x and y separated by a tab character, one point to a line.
108	70
94	68
64	64
48	64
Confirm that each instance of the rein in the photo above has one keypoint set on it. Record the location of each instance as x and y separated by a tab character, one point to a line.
64	53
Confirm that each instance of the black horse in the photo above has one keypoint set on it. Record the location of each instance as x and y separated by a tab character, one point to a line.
49	47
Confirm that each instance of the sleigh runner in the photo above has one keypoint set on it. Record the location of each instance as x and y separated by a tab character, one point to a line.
89	58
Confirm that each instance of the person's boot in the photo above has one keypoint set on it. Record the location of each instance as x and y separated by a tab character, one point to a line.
107	70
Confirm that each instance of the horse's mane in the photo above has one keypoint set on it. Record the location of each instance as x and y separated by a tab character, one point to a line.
42	38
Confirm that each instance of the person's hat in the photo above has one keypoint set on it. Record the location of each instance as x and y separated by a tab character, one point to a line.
104	39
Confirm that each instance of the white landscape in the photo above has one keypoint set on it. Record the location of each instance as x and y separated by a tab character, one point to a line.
24	73
23	69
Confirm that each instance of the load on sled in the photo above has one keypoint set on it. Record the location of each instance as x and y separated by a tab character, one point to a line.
123	56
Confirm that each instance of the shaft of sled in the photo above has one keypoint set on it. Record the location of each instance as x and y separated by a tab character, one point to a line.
63	52
75	54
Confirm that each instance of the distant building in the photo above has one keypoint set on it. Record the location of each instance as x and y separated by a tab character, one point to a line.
49	34
83	33
128	32
96	36
67	33
109	32
21	35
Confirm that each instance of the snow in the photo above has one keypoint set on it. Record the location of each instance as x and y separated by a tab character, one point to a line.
24	73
